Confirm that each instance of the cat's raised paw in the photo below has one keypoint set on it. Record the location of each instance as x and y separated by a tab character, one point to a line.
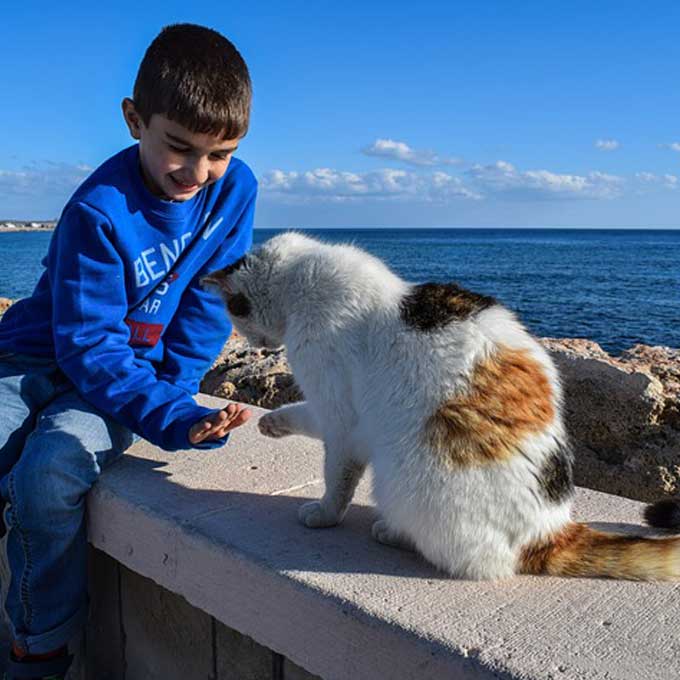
314	516
274	425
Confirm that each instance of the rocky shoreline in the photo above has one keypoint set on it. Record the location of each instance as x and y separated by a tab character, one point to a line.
14	225
623	412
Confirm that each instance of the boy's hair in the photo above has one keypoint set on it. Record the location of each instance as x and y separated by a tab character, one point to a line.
197	78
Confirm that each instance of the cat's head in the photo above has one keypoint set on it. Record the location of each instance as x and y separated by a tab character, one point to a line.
254	288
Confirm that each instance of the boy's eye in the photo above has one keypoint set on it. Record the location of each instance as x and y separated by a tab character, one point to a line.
179	149
220	156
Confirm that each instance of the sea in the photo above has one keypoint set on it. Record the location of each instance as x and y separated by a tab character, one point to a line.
618	287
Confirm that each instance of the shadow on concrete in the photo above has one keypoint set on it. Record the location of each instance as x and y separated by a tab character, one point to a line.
265	527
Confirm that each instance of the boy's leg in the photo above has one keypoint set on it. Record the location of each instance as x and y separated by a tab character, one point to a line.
27	384
46	545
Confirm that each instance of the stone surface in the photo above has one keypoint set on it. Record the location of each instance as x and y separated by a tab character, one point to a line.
220	529
623	415
165	637
240	657
104	637
293	672
5	304
255	376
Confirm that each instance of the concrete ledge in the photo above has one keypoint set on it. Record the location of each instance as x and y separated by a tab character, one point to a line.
220	529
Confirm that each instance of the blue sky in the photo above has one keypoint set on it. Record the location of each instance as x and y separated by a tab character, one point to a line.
378	113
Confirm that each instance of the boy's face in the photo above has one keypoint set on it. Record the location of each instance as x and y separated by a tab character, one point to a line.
177	163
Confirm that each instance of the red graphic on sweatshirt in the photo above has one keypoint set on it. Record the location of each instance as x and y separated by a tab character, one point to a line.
144	334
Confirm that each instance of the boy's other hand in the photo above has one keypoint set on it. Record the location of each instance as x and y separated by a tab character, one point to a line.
216	425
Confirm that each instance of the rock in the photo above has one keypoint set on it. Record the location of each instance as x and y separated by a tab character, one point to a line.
623	415
5	304
255	376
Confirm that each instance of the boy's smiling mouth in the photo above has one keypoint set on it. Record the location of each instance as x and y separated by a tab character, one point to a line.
182	187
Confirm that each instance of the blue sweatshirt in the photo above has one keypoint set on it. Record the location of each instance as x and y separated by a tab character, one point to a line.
120	306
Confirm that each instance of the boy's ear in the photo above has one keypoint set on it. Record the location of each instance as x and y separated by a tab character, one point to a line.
132	118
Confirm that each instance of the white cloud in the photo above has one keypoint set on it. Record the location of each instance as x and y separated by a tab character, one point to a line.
673	146
503	178
607	144
383	185
666	181
500	180
40	180
400	151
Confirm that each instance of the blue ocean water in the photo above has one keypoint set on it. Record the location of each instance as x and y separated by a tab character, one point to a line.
617	287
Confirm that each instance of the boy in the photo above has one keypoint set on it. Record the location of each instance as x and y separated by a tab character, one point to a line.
119	332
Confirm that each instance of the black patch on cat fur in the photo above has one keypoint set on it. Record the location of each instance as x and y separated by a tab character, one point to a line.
556	478
234	266
238	305
433	305
664	514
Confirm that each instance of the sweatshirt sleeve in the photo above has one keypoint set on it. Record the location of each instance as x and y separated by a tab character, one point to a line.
200	326
86	277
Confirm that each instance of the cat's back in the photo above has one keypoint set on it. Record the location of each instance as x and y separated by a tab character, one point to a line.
441	340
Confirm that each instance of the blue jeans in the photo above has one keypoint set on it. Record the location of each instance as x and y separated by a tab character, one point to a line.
53	446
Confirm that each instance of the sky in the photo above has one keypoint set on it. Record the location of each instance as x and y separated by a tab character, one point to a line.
377	114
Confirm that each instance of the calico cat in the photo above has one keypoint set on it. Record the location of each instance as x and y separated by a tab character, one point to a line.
443	391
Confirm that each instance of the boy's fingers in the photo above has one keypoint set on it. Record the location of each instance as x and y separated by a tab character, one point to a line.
196	433
218	424
240	416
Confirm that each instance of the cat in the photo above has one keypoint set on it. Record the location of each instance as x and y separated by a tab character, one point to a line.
456	407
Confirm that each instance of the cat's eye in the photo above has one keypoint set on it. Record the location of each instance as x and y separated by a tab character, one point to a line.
238	305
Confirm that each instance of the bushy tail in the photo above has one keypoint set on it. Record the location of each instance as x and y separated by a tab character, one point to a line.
578	550
664	514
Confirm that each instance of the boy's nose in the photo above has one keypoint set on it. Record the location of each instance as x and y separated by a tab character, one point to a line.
200	170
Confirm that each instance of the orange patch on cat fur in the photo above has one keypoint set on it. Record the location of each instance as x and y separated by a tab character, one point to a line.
509	397
578	550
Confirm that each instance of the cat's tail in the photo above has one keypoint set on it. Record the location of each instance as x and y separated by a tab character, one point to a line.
578	550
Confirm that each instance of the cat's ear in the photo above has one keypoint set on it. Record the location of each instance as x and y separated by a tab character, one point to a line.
218	280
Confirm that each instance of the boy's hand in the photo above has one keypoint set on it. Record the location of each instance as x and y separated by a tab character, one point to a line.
216	425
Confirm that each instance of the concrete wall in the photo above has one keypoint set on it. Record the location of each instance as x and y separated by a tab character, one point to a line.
200	569
138	630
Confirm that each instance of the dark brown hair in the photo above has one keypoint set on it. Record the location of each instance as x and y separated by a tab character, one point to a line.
197	78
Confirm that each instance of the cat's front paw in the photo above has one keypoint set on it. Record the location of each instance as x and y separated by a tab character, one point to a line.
315	516
274	425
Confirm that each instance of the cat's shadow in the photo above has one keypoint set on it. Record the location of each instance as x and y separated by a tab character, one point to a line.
265	527
630	529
